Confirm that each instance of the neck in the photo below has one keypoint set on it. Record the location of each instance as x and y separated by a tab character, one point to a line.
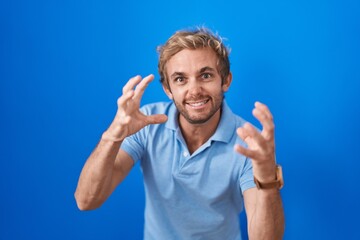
196	135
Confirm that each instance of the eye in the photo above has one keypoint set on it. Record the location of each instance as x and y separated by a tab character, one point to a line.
179	79
206	75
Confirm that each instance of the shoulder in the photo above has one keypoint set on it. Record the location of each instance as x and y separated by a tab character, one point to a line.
233	122
230	116
239	121
166	108
156	108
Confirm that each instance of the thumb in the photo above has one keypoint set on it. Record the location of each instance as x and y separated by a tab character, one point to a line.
157	118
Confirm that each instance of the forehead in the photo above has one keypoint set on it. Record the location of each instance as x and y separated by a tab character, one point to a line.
189	60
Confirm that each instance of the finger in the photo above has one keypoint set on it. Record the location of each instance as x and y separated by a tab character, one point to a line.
254	135
263	108
244	135
140	88
268	124
131	84
241	133
156	119
246	152
122	101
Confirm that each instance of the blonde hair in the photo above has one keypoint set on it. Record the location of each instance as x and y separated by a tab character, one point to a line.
193	39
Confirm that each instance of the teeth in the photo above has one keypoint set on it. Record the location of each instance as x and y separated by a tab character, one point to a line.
197	104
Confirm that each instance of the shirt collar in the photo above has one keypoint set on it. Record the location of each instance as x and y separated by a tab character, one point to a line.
172	122
227	125
224	131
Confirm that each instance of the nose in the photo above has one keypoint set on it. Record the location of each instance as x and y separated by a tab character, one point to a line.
194	87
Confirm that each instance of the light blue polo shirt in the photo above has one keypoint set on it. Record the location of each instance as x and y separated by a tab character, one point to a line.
196	196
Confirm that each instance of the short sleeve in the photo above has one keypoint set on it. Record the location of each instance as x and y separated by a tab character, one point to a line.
135	144
246	179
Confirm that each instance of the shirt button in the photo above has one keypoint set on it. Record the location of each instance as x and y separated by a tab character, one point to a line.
185	154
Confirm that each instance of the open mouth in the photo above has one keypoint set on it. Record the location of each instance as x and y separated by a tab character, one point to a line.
197	104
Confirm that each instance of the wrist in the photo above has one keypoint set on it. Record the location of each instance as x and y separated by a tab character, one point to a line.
265	173
277	182
109	136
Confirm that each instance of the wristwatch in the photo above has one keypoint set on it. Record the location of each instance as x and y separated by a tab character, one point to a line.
277	183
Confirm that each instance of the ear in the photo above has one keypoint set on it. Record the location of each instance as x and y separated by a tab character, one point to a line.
167	91
226	84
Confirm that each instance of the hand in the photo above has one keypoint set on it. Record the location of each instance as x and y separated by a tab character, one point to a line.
128	119
261	145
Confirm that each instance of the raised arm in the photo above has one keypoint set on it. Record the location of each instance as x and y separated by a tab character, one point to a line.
264	209
108	165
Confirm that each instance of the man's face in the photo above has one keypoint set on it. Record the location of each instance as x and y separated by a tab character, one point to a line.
195	84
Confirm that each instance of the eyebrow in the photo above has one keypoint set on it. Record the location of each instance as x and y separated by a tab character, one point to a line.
202	70
207	69
175	74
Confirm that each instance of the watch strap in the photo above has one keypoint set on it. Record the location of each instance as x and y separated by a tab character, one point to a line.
277	183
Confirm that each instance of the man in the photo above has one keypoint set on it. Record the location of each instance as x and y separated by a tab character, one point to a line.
195	183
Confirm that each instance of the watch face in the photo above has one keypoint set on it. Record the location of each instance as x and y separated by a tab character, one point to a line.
279	176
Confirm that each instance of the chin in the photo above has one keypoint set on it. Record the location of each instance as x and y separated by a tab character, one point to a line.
197	121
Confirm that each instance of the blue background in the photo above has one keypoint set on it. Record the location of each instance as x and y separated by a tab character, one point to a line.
63	65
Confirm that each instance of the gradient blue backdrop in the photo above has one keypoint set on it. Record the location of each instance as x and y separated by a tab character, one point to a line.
63	65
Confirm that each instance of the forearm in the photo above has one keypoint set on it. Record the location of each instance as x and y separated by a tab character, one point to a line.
107	166
267	221
263	205
95	180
